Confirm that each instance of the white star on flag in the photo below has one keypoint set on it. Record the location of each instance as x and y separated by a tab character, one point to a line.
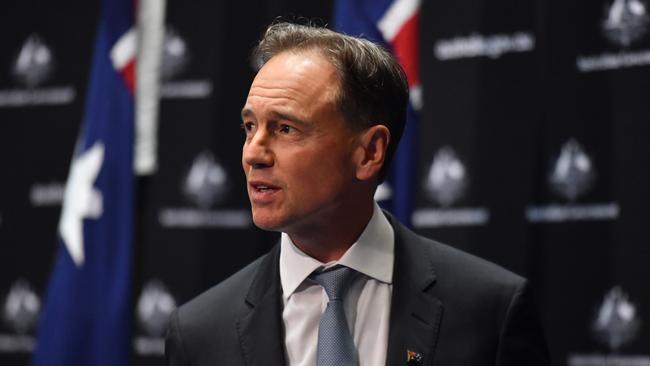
81	200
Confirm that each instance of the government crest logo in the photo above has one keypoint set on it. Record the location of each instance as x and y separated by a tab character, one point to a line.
446	179
625	21
624	24
176	60
571	177
20	313
205	185
21	308
153	309
32	67
445	183
617	322
616	325
573	173
155	305
34	63
206	182
175	54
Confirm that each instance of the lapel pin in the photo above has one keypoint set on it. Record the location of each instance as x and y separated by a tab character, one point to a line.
413	358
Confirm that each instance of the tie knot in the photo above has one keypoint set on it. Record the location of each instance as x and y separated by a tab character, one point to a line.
334	280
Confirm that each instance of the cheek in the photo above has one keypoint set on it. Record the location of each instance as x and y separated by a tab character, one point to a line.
319	173
243	160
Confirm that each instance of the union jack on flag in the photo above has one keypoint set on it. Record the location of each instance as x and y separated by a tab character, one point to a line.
395	24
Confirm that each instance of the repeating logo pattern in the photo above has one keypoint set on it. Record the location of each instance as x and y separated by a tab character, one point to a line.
205	188
176	60
176	55
446	180
33	66
206	182
571	177
154	307
34	63
625	21
20	312
624	24
617	322
22	307
573	173
445	184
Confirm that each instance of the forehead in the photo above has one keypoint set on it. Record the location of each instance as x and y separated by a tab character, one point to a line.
299	76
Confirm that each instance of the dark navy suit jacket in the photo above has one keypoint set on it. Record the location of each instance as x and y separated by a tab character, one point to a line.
450	307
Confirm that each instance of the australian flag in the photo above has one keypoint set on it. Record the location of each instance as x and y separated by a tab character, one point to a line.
395	24
86	319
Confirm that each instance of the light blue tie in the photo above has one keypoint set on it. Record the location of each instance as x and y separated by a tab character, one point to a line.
335	344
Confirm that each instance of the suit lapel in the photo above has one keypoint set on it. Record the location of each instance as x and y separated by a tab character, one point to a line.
415	313
261	333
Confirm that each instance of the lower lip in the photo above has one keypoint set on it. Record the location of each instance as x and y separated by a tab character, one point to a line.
262	197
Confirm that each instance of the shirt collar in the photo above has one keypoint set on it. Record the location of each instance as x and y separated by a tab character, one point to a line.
372	254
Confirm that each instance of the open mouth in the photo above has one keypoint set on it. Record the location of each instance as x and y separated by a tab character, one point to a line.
263	187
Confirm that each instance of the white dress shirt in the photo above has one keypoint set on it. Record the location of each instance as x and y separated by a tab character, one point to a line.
367	302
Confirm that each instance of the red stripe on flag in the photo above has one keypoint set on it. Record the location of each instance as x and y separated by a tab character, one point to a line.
405	45
128	74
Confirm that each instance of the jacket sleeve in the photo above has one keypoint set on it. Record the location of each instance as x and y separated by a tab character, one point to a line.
521	340
175	354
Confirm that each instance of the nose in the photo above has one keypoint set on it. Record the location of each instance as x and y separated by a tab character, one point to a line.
256	152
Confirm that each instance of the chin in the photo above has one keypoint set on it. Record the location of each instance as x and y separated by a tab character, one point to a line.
267	222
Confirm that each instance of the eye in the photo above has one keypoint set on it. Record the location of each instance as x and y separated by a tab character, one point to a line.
285	129
247	126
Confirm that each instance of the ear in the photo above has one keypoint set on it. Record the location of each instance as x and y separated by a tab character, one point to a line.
371	151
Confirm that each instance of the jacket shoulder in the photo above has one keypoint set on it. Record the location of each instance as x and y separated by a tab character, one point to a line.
204	329
224	299
449	263
487	308
468	267
460	277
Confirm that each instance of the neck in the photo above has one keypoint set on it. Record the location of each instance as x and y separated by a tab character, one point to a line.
331	237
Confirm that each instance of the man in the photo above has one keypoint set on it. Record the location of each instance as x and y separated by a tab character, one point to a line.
348	284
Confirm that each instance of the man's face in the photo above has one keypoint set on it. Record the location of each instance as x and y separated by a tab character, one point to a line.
298	151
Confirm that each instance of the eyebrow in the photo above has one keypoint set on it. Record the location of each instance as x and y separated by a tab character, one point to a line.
247	112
